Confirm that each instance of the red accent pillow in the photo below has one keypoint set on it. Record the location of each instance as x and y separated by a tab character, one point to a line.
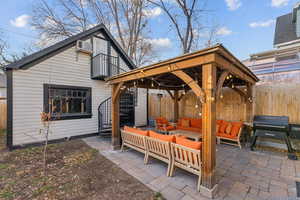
223	127
236	126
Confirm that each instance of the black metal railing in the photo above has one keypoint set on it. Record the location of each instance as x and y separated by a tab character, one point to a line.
127	112
104	116
104	65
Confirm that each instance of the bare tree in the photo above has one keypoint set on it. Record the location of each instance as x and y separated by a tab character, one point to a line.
185	17
125	19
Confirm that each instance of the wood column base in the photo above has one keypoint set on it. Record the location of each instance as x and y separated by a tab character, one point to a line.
210	193
116	143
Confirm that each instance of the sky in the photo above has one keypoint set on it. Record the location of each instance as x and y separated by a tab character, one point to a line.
244	26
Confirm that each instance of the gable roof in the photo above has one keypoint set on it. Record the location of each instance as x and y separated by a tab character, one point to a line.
285	30
37	57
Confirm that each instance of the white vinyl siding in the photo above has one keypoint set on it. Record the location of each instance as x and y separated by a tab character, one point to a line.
65	68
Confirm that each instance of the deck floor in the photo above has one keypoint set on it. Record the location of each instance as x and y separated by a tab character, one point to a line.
241	174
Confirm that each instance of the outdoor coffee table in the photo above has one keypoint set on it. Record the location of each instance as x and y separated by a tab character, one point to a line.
189	134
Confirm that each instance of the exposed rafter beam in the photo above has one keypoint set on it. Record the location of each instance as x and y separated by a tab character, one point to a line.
191	83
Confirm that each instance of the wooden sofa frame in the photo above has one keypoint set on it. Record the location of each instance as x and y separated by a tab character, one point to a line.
174	155
237	139
187	159
158	149
134	141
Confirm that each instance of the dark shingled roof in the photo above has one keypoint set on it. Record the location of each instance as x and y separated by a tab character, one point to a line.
285	30
50	51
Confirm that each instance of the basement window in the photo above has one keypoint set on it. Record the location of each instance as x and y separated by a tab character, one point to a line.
67	102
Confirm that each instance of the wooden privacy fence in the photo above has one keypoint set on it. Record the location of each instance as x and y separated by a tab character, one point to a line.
278	99
2	114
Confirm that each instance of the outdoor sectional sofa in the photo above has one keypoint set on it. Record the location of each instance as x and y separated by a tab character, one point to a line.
176	151
225	130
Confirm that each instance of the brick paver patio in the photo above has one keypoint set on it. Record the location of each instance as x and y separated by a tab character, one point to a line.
241	174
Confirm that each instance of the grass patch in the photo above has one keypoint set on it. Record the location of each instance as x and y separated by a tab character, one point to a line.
74	171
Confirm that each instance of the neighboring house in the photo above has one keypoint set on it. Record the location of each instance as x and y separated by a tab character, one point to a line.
67	80
2	86
281	64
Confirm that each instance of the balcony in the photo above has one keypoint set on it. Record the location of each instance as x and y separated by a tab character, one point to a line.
104	66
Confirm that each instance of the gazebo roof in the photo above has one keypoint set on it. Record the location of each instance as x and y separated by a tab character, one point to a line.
190	63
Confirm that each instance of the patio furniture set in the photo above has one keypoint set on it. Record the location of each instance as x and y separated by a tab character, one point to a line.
226	132
175	147
176	151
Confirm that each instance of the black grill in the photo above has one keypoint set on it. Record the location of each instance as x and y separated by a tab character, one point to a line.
271	127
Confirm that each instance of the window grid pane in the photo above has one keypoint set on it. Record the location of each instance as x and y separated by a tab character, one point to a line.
68	101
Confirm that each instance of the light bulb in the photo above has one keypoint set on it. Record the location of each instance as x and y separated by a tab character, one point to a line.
200	113
196	106
221	96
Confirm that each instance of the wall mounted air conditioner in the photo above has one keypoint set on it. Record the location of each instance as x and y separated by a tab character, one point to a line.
84	46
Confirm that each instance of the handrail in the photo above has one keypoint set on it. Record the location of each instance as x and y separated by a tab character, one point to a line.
104	114
105	65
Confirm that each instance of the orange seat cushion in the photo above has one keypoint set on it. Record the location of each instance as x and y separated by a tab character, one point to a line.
135	130
236	126
188	143
197	123
168	138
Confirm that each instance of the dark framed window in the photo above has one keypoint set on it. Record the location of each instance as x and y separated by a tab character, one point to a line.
67	102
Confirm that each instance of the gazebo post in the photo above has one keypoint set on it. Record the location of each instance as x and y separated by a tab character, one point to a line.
176	106
209	186
115	109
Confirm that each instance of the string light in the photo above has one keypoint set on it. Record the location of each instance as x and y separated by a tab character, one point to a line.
245	89
200	114
232	86
221	96
196	106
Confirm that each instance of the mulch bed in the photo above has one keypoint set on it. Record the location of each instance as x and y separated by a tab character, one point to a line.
75	171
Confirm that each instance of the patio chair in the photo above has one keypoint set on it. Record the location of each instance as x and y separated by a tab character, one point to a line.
187	159
163	125
233	135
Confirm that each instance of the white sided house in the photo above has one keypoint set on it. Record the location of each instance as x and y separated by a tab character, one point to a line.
67	80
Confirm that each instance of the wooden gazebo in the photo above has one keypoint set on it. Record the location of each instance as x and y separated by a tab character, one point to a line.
205	72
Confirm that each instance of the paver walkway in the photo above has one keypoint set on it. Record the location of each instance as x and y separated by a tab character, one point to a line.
241	174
